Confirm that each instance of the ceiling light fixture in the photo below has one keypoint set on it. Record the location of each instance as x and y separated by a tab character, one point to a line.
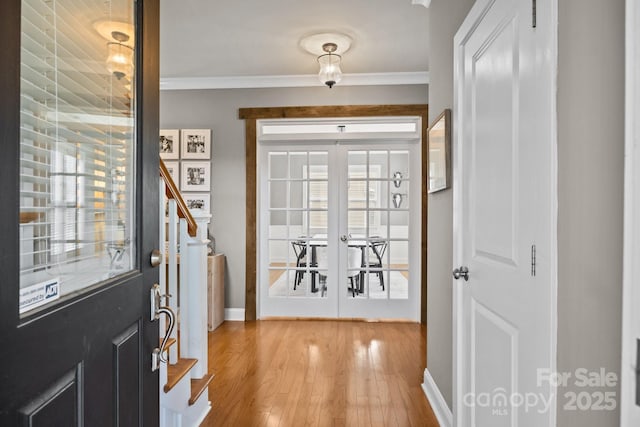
120	59
330	72
328	48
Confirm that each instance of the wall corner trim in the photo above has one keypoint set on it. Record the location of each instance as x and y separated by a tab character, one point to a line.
436	400
234	314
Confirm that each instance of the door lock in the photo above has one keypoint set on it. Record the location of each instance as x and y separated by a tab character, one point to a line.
156	258
461	272
343	238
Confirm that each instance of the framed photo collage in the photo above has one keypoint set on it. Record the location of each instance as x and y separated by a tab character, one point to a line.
187	155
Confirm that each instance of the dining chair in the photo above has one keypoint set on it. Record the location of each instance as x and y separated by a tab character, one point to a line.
354	267
322	264
300	251
378	246
354	263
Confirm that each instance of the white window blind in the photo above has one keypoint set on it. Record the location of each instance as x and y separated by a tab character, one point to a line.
76	146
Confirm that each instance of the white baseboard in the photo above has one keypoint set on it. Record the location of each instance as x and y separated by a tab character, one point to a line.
234	314
438	404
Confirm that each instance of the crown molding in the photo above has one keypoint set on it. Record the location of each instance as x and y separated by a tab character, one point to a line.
304	80
425	3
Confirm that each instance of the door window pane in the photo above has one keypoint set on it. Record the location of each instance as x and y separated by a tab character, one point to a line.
77	146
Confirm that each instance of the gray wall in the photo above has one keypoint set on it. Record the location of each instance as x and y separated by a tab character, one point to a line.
218	110
590	181
445	18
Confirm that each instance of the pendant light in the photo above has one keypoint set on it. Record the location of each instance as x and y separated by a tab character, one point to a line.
120	58
330	72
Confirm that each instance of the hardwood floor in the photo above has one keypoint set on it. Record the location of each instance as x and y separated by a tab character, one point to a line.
317	373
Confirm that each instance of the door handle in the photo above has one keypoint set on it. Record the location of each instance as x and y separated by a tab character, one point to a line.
156	258
461	272
343	238
156	310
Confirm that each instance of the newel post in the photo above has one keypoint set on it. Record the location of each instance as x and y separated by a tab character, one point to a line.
196	286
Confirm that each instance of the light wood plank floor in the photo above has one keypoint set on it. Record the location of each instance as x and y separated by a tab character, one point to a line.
317	373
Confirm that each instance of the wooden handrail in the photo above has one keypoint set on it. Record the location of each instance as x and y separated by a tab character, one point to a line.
171	190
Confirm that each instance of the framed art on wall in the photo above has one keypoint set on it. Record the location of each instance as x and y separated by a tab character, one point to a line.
169	144
439	139
173	168
196	143
195	176
198	201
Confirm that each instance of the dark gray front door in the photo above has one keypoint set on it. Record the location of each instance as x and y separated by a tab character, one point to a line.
79	215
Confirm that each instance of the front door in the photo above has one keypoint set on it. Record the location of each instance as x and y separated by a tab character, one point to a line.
504	217
79	173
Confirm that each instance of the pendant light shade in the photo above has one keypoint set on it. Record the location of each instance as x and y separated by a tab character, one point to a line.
120	56
330	72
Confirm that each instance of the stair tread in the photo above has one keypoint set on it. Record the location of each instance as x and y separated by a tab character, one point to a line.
198	386
170	342
177	371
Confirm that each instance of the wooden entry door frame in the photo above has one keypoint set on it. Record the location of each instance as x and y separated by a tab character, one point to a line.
252	115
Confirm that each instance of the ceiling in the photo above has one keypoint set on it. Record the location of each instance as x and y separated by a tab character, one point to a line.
209	41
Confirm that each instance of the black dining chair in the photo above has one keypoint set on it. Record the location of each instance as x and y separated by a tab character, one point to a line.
300	251
378	246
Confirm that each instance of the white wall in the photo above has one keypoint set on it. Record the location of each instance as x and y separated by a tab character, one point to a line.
218	110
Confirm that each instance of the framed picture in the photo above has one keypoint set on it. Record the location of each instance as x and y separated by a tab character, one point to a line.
196	143
195	176
198	201
174	171
169	144
439	139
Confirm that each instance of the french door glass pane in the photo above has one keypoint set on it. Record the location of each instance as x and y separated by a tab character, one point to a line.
77	147
399	162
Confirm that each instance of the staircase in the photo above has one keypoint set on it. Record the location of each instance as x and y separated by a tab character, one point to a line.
184	379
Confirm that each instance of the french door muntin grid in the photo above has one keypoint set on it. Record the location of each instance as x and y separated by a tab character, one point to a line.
304	212
380	180
303	215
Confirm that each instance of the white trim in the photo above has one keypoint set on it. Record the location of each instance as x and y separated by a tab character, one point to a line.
436	400
629	412
234	314
304	80
553	181
425	3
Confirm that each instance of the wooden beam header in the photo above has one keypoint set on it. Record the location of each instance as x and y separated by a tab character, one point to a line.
331	111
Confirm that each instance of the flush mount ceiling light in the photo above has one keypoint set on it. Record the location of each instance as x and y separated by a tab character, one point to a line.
328	47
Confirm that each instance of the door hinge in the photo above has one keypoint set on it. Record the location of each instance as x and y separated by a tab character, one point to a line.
533	260
534	13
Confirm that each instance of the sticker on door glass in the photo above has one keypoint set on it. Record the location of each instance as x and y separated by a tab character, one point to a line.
39	294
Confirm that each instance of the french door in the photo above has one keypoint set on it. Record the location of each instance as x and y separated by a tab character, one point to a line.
339	235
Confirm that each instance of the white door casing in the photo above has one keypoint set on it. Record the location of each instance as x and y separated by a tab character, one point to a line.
505	204
629	409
